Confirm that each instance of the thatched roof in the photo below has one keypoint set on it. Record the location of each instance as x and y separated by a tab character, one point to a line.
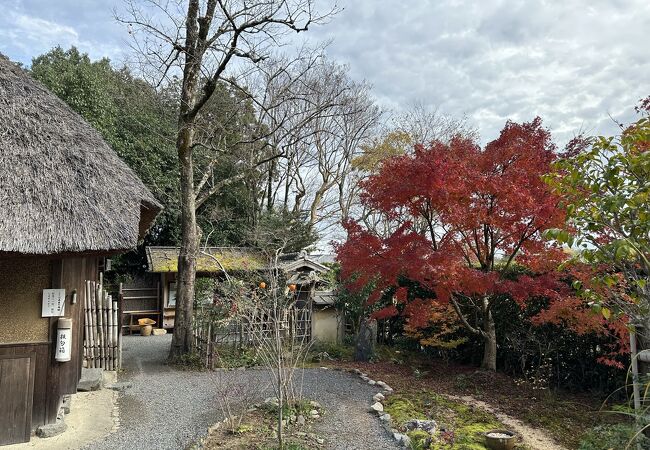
233	259
62	188
210	260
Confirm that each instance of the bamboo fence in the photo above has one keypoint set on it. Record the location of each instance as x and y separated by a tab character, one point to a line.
210	336
102	337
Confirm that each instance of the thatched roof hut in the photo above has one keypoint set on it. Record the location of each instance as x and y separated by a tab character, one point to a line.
62	188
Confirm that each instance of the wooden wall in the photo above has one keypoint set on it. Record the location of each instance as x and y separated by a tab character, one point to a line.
69	274
51	379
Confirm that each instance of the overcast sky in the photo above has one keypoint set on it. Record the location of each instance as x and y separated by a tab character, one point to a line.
573	62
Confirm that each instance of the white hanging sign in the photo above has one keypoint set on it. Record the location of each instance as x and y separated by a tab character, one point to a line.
53	303
63	340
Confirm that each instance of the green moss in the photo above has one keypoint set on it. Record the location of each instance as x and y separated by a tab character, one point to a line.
464	425
231	260
420	440
403	408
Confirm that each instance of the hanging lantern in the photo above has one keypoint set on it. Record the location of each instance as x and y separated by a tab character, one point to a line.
262	285
292	287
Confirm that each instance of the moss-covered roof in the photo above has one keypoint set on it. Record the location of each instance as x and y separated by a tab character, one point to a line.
210	260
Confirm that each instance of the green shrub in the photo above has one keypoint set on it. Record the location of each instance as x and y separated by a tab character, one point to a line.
604	437
335	351
189	361
231	357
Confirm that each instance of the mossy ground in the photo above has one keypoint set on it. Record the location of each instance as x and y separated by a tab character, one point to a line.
460	426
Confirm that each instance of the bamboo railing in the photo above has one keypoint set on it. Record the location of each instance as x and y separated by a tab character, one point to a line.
102	337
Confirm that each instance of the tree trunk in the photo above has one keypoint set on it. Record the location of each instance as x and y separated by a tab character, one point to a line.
643	339
182	338
489	339
366	338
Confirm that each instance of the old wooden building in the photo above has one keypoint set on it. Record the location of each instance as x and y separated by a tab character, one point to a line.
66	201
155	297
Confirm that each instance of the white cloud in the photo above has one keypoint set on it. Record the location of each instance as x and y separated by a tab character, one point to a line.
572	62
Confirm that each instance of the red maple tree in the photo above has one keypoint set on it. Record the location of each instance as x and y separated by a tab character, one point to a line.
467	216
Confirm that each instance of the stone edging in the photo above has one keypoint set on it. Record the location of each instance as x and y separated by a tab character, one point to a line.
377	407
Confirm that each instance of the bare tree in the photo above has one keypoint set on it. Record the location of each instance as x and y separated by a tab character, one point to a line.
330	117
204	41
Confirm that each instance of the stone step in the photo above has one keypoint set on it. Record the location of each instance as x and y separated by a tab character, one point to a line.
91	380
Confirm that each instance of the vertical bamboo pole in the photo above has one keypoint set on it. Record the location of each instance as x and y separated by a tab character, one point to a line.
87	349
93	323
109	329
100	323
104	327
119	336
116	330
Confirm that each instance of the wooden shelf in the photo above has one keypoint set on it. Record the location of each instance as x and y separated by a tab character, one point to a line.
140	289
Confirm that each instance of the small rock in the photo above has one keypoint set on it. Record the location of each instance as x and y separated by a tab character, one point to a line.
427	425
91	380
379	397
388	388
315	405
385	418
364	378
381	384
320	441
300	420
120	386
61	414
402	439
301	433
372	382
364	374
51	429
377	407
66	404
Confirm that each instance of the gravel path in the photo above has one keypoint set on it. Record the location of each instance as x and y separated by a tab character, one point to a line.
347	423
169	409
